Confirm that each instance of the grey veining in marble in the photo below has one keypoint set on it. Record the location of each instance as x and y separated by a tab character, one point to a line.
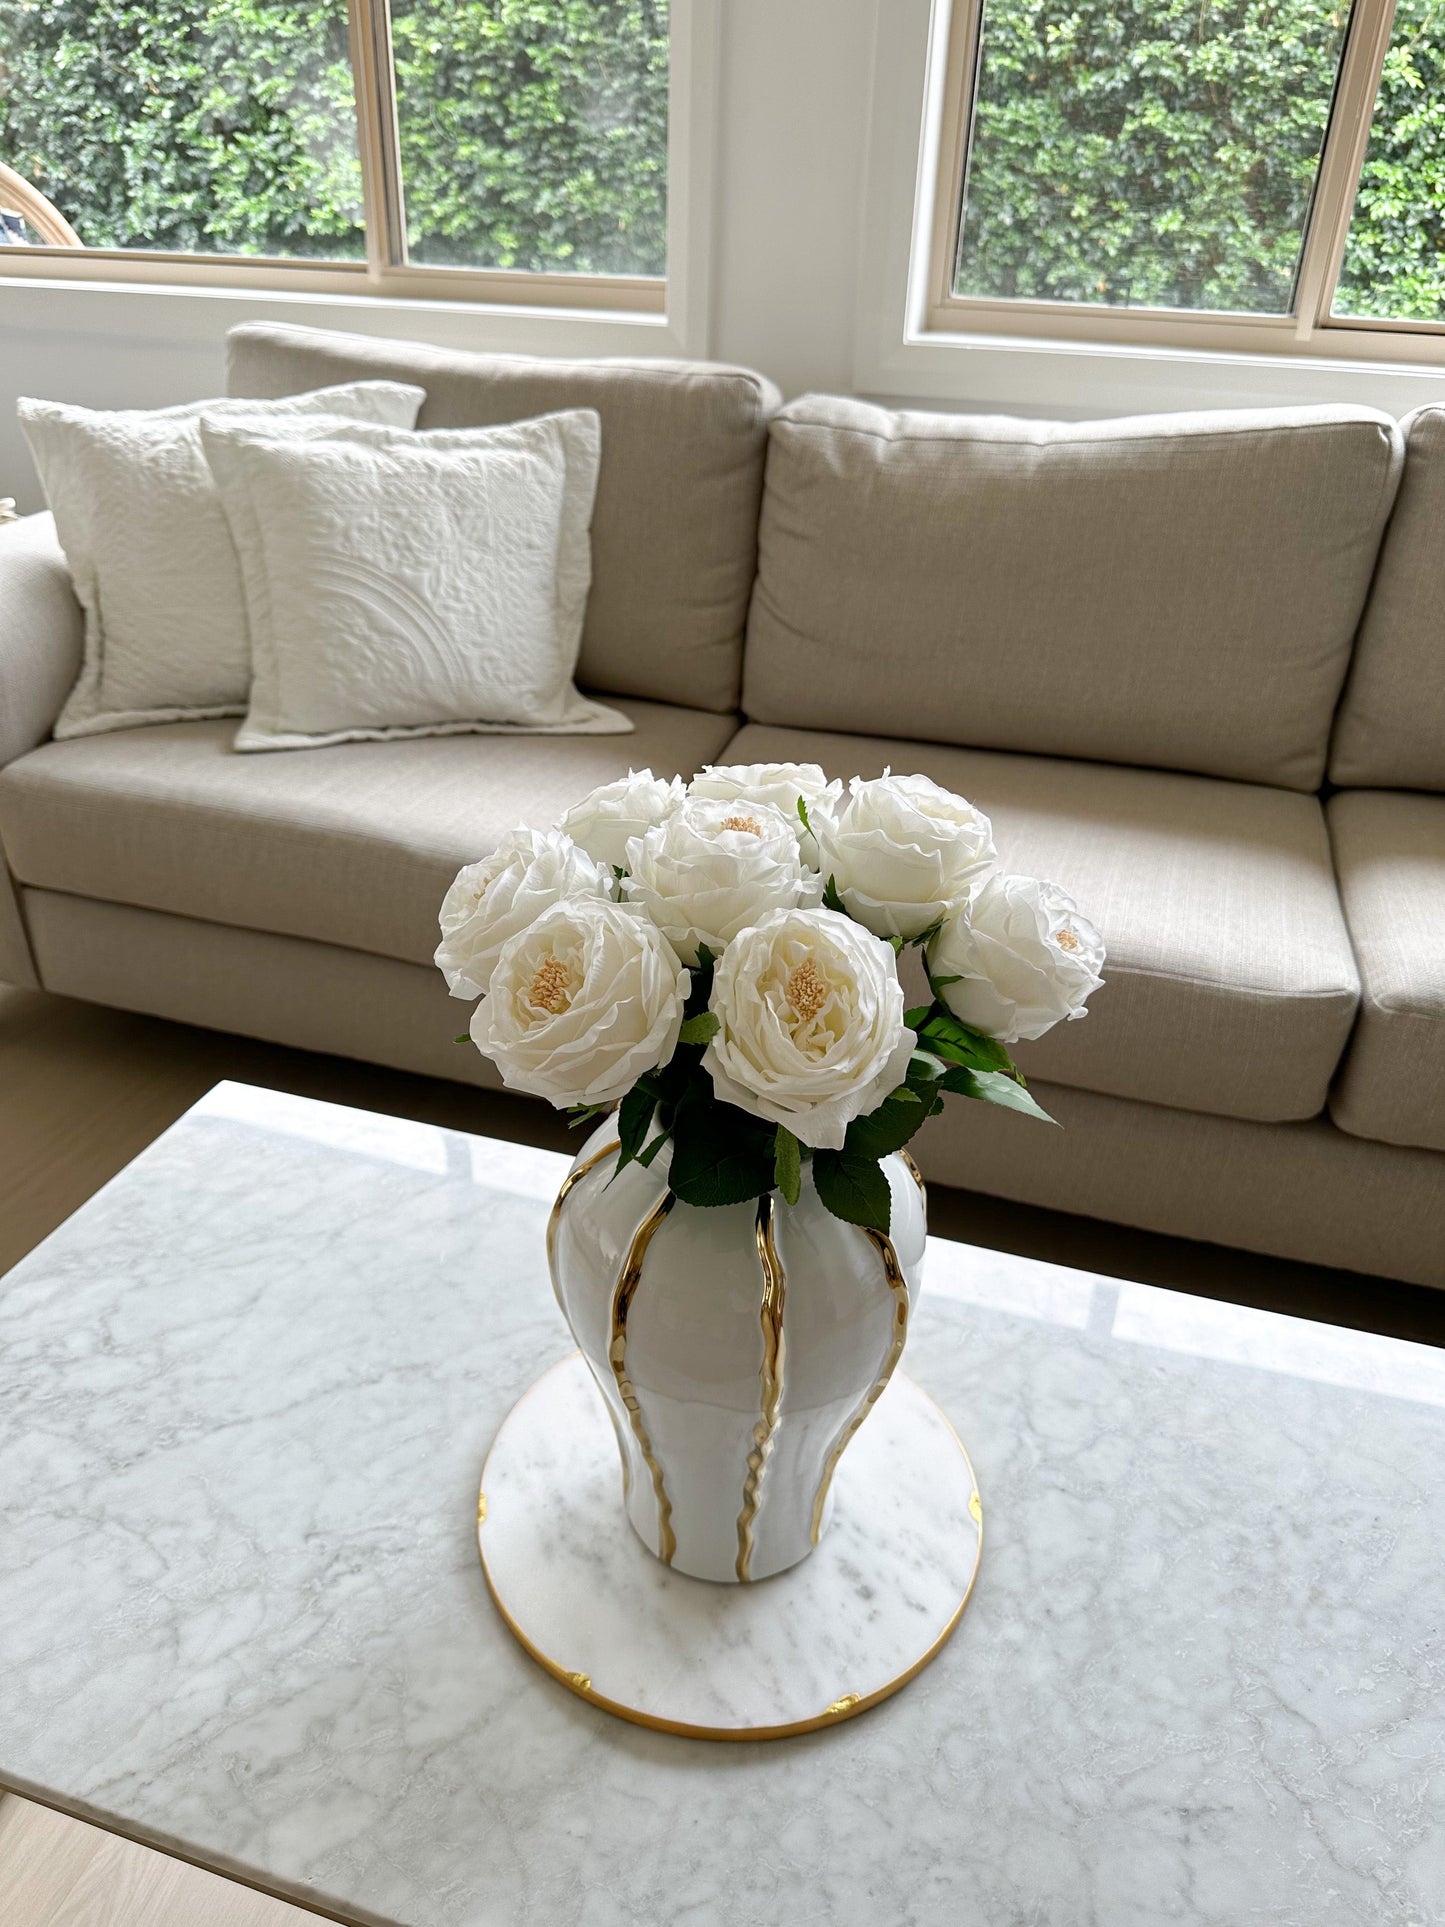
245	1396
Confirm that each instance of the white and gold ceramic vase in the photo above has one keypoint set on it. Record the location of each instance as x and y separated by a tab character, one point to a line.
737	1349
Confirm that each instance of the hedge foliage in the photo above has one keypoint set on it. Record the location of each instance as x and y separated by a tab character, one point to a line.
1127	151
533	132
1163	152
1395	259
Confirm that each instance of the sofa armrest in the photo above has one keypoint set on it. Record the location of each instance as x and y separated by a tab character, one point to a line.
42	634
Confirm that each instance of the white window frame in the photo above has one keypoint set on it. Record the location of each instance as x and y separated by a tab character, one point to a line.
915	336
675	301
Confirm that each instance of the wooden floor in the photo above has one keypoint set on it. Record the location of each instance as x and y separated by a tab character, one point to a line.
54	1872
83	1090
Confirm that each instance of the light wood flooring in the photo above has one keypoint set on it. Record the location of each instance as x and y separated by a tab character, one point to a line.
83	1090
54	1872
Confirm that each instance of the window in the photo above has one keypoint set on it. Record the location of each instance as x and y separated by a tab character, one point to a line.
1394	262
1248	174
429	146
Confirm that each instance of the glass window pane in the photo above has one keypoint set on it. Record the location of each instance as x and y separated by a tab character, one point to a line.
1394	266
534	133
1155	153
198	126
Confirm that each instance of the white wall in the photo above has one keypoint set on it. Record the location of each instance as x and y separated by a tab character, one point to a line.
804	228
795	98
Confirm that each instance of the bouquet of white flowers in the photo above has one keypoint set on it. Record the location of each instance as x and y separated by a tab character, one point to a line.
720	961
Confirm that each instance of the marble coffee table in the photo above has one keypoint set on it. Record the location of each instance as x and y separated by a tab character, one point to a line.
244	1398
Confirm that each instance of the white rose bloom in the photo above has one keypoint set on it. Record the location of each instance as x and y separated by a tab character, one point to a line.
604	822
783	785
812	1032
582	1004
902	852
714	868
492	900
1024	957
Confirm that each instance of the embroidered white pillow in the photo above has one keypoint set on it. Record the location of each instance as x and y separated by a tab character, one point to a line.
413	584
149	552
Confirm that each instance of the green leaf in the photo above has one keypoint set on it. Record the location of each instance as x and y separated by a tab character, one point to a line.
919	1014
924	1068
717	1173
889	1128
995	1087
645	1158
831	899
465	1038
699	1029
720	1155
897	943
699	993
961	1044
853	1188
942	983
633	1117
803	816
788	1166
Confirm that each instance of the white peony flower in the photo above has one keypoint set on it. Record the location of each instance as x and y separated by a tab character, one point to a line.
1024	957
812	1032
582	1003
902	852
490	901
781	784
713	868
605	821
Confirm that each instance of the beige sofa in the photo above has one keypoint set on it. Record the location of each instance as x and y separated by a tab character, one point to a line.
1194	668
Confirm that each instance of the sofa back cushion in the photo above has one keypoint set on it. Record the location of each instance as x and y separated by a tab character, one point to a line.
1178	591
1390	732
674	531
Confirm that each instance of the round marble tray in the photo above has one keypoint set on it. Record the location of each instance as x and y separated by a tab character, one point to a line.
850	1625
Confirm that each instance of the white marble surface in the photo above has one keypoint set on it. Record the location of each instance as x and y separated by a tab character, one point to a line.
245	1396
847	1623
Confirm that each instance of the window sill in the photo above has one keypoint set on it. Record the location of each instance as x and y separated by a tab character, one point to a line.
1033	375
190	312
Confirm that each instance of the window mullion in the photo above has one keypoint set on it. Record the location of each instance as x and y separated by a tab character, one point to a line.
1342	160
380	146
963	27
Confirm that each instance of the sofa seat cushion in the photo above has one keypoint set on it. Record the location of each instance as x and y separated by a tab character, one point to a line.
1230	985
1390	857
353	845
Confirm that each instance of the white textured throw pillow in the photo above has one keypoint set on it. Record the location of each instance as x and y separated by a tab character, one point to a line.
151	557
414	584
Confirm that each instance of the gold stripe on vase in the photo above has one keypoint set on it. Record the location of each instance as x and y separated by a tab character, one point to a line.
770	1313
554	1221
916	1175
898	1286
572	1178
622	1298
